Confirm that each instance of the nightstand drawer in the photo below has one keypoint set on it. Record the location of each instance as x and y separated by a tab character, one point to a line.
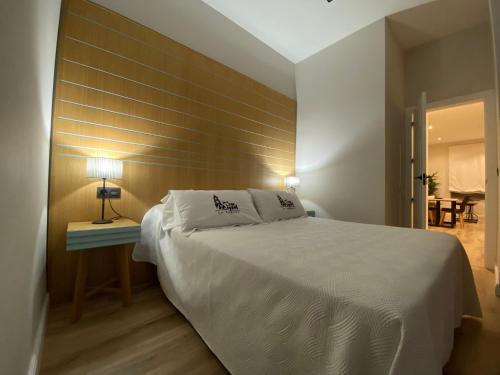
89	237
79	242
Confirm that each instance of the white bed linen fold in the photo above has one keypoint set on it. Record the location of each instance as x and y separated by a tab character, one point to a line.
317	296
147	249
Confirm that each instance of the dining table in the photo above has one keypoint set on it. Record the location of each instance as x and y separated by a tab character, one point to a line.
437	208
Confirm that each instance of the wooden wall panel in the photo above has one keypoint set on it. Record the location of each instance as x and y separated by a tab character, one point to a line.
178	120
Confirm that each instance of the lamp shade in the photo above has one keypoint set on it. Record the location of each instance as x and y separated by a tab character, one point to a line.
292	181
104	168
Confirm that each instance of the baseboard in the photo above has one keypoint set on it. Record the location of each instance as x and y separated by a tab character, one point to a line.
497	281
38	343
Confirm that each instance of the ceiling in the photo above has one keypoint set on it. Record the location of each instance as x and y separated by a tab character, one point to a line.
456	124
298	29
435	20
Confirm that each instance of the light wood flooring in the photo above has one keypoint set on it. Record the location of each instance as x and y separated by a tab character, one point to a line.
471	236
477	343
151	337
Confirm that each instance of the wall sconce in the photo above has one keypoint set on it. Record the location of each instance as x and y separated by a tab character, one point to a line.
106	169
291	182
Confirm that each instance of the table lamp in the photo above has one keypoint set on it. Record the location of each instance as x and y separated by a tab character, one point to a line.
291	182
106	169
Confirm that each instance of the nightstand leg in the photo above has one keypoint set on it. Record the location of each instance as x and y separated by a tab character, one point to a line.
124	273
80	283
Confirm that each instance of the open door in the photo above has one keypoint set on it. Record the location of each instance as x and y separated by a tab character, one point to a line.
420	164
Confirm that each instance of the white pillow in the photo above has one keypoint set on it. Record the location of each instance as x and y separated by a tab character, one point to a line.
201	209
277	205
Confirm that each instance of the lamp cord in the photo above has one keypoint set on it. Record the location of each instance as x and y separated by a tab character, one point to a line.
118	215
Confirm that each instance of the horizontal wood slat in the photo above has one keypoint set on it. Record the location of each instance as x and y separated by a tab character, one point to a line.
93	57
158	43
178	120
90	76
84	96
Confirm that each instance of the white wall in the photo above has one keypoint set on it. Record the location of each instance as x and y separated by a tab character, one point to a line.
457	65
200	27
495	22
395	126
491	148
341	128
438	161
28	30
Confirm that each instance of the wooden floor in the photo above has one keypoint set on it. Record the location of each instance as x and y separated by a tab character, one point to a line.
151	337
471	236
477	344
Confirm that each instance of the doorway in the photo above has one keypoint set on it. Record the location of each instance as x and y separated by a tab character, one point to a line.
456	182
460	148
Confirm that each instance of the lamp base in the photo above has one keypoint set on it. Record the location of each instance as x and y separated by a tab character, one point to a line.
102	221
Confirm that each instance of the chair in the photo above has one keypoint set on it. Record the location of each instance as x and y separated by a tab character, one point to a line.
460	212
432	213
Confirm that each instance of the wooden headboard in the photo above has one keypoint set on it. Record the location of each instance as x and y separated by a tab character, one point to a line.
178	120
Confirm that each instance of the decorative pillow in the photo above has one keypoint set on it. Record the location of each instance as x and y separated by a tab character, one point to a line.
201	209
277	205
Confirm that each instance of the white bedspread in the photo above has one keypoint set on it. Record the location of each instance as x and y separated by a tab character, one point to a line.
317	296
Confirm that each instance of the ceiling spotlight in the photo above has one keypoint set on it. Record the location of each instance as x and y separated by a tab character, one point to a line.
440	139
430	127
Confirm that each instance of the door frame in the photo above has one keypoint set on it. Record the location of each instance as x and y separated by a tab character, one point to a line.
491	155
420	157
409	169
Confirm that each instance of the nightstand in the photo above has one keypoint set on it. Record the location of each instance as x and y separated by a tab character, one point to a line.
83	237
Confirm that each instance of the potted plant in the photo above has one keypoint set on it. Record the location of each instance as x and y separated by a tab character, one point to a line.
432	184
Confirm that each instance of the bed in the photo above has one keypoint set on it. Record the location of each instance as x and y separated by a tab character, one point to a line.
316	296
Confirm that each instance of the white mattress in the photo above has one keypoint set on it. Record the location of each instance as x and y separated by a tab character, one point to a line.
317	296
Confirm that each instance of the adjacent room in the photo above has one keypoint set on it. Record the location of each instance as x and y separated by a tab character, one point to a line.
265	187
456	164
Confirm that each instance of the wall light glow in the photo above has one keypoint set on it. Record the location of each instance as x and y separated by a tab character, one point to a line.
292	181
